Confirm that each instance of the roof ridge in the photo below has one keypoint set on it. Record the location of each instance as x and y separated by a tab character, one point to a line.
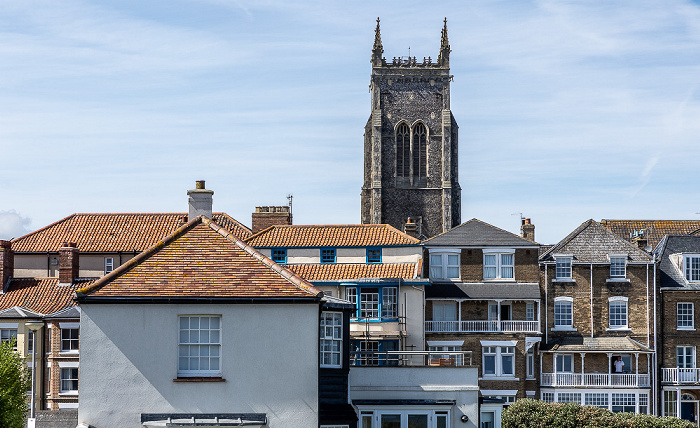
131	263
44	228
285	273
567	238
625	242
453	228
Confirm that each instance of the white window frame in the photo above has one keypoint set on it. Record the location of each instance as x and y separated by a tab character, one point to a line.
69	374
561	361
213	345
73	342
563	267
560	302
499	266
499	350
691	272
685	355
7	334
617	272
445	270
618	301
530	311
685	317
373	415
443	314
530	363
109	264
331	339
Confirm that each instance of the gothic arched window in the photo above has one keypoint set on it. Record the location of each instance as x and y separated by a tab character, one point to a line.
403	151
420	150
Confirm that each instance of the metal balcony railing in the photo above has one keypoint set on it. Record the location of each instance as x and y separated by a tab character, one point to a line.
411	358
618	380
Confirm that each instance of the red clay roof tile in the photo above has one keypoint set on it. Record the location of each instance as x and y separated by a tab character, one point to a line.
42	295
336	272
201	259
352	235
655	229
113	232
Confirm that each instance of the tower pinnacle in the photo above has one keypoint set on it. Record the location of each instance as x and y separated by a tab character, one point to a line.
377	49
444	57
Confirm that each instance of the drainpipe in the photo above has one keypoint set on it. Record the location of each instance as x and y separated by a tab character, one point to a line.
546	307
655	355
648	329
591	300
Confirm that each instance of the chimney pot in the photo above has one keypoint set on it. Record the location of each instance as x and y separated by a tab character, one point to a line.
200	185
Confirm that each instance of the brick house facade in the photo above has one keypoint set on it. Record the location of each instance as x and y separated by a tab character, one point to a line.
599	308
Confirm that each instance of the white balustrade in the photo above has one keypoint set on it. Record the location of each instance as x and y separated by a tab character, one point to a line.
680	375
595	379
482	326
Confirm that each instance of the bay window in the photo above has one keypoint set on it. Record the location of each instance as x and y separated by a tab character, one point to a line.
444	265
691	263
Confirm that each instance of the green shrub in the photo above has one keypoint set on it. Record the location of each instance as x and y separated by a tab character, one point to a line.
529	413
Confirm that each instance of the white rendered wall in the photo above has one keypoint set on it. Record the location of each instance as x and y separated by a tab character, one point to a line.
412	304
128	360
401	255
297	256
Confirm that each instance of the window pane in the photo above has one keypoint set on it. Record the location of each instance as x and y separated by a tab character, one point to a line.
390	421
489	364
417	421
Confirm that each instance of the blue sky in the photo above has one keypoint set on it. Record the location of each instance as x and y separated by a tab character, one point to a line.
568	110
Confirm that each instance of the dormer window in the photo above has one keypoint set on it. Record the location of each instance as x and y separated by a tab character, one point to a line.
563	268
499	264
691	267
618	266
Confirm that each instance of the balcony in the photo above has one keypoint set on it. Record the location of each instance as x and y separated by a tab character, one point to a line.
482	326
613	380
411	358
678	376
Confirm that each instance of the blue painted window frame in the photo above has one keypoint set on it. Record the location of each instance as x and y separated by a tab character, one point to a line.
374	255
379	360
327	255
279	255
353	293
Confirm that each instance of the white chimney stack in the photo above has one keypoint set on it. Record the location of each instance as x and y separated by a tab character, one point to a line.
200	201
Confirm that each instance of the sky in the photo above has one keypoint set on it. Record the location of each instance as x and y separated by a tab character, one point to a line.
567	110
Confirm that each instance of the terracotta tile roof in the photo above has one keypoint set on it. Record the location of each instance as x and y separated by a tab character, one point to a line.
200	259
102	233
337	272
351	235
42	295
655	229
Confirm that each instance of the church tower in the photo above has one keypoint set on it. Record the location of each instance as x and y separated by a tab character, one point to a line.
410	173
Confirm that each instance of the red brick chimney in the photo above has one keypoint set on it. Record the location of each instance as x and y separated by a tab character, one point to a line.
264	217
7	263
410	228
527	230
68	263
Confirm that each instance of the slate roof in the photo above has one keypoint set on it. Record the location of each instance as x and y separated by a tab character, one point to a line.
113	232
338	272
349	235
510	291
595	344
670	277
42	295
17	312
71	312
200	260
591	243
655	229
480	234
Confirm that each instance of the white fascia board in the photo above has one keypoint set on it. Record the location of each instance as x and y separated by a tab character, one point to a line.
498	392
9	324
68	364
499	250
499	342
69	325
445	342
445	250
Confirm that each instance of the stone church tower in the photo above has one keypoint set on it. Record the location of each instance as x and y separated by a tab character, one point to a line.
411	144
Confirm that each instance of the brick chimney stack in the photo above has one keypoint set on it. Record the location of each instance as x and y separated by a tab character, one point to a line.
200	201
264	217
410	228
7	263
527	230
68	263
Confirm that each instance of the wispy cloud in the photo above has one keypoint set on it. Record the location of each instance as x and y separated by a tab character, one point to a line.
13	224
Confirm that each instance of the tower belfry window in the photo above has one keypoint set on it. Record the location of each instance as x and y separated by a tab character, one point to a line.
420	147
403	151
